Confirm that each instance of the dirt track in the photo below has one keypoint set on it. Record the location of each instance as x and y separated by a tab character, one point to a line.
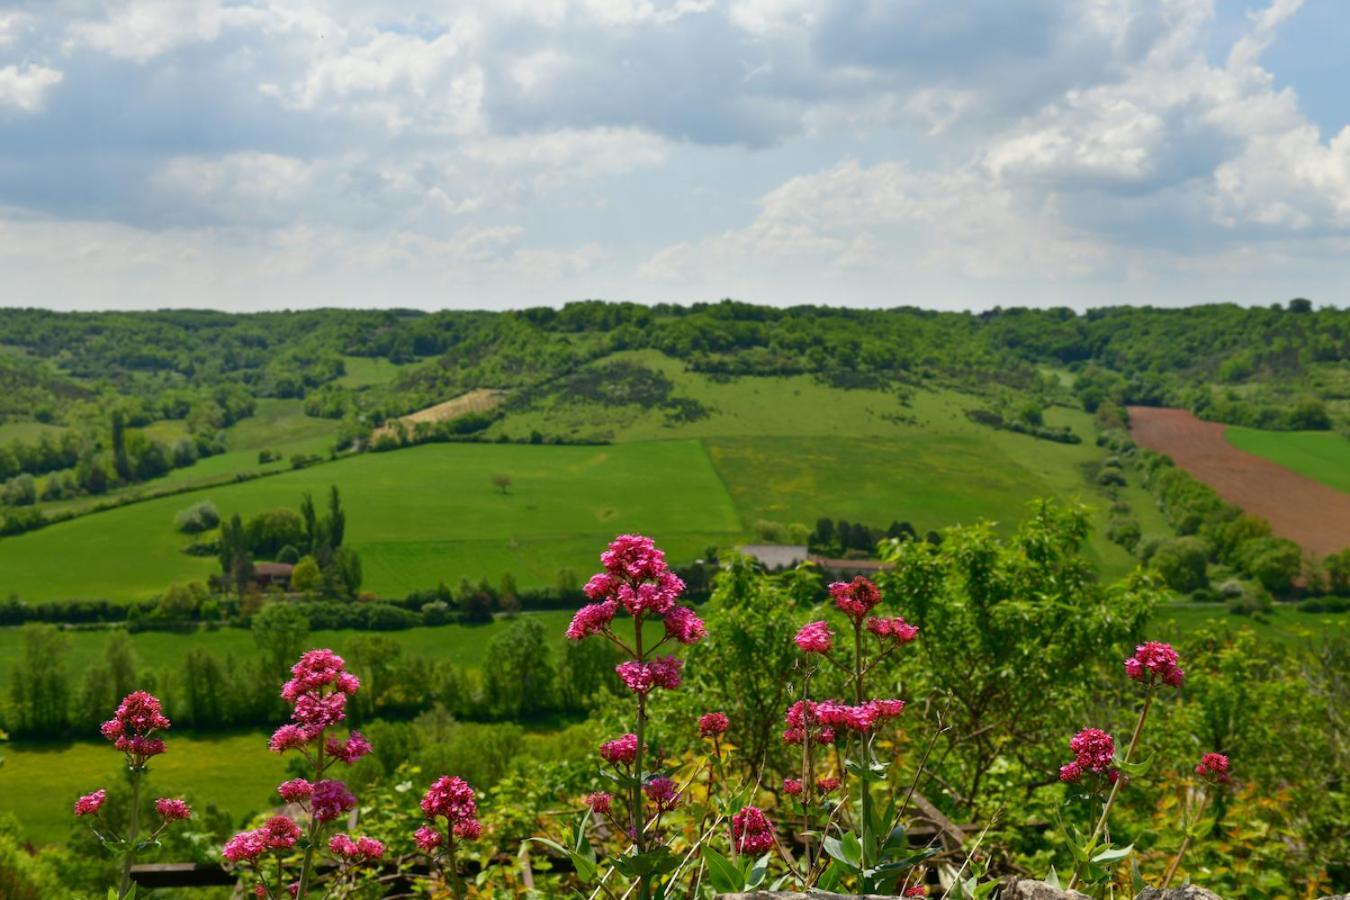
1315	515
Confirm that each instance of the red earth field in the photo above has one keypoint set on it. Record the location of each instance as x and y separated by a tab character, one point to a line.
1315	515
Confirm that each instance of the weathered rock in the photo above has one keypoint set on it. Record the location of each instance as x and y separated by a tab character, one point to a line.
1027	889
794	895
1185	892
1337	897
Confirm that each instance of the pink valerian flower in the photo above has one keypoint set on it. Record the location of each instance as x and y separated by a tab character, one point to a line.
329	799
90	804
713	724
288	737
1213	767
1155	661
295	790
636	577
317	669
804	724
280	833
642	677
620	751
635	557
794	787
1094	753
917	890
350	750
137	718
855	598
858	718
315	712
451	797
592	618
600	802
751	831
363	849
428	839
663	793
684	626
172	810
245	846
815	637
468	830
895	629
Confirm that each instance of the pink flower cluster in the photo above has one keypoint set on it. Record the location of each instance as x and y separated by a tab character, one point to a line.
1213	767
90	804
636	579
600	802
172	810
751	831
279	833
363	849
642	677
330	799
831	716
663	793
451	798
713	724
1094	752
318	690
804	725
815	637
131	728
621	751
793	786
1155	661
895	629
855	598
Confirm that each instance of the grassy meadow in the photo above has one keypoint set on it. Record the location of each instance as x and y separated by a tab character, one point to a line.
1321	455
417	516
39	782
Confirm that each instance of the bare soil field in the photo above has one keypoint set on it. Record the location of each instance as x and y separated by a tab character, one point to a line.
1315	515
480	400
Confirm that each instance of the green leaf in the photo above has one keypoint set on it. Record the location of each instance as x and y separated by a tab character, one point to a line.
1136	769
724	875
758	872
582	862
1112	854
653	862
1053	879
1201	828
1136	877
835	848
833	876
852	848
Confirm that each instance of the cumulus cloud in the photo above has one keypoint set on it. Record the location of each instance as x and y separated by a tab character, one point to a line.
25	87
983	152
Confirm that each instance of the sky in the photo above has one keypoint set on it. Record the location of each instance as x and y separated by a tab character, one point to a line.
508	153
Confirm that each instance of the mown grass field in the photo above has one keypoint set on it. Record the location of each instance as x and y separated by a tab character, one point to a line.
791	449
417	516
1322	455
39	782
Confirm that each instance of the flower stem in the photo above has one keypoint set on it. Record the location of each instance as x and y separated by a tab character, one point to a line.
1185	844
639	821
1115	787
863	762
308	864
129	857
455	884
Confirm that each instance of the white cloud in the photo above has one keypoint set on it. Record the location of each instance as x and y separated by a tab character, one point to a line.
25	87
140	30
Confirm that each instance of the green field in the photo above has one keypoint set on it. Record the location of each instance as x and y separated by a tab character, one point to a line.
1287	626
28	432
462	645
39	782
417	516
366	371
1323	455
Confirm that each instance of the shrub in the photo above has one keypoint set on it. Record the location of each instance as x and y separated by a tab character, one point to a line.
197	518
1181	563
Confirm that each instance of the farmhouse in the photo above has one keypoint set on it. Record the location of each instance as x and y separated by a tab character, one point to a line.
776	557
266	574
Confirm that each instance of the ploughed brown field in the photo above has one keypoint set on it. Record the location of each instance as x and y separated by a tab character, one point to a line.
1315	515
